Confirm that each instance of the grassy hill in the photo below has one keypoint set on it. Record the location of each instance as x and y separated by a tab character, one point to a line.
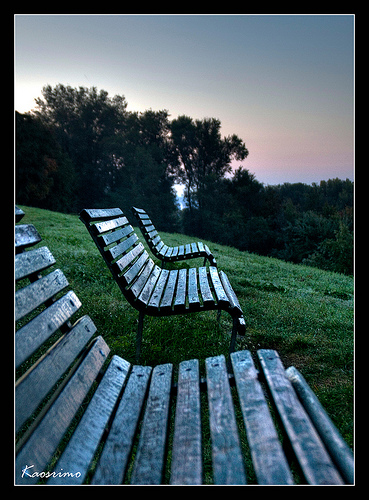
304	313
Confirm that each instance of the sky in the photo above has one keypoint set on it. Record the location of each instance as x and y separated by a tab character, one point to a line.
283	83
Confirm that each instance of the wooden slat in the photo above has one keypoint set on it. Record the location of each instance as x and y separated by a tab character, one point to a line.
163	250
201	247
159	246
90	215
40	378
228	467
39	448
27	263
313	458
19	214
175	252
113	462
166	302
192	292
35	294
149	462
186	455
218	287
124	261
140	282
269	461
150	283
159	289
168	253
114	236
232	297
32	335
180	299
206	295
83	444
136	268
26	235
139	210
122	247
338	449
103	227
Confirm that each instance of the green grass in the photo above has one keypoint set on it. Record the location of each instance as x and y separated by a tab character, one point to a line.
304	313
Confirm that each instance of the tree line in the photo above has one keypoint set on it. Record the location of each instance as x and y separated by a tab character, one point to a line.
81	148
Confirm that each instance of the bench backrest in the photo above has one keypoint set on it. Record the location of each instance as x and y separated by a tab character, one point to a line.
56	361
121	249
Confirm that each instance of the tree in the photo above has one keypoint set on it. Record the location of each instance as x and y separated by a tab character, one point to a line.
84	121
142	178
203	158
44	175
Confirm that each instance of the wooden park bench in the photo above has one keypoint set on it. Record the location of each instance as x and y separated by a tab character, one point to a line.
152	290
167	253
85	416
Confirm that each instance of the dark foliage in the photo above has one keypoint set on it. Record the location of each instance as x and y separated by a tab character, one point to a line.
81	148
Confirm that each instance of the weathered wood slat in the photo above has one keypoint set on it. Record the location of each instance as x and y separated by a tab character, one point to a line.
150	283
269	461
186	454
149	462
140	282
159	246
103	227
124	261
122	247
159	289
175	252
26	235
113	462
180	299
93	214
218	288
39	380
35	294
33	334
233	300
19	214
338	449
114	236
228	467
313	458
192	292
206	295
83	444
166	302
39	448
136	268
28	263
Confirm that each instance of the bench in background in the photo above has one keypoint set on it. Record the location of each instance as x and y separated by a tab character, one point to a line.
167	253
152	290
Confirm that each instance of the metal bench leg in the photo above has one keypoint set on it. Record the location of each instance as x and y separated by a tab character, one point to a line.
139	335
232	345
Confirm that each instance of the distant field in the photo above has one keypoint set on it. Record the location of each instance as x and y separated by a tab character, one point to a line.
303	312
